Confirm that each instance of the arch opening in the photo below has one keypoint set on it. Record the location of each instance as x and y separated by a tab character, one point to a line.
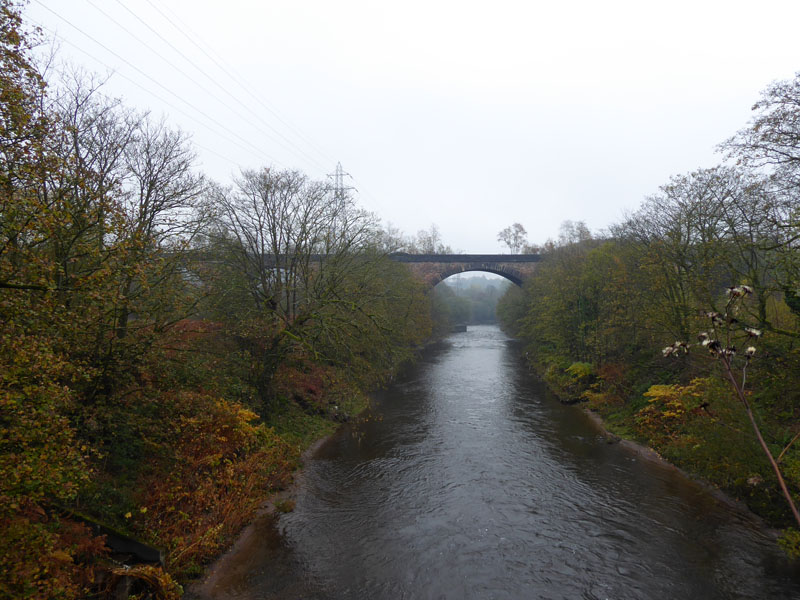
468	297
513	277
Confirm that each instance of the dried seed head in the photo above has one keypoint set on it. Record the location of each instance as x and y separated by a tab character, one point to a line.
750	352
675	348
752	332
739	291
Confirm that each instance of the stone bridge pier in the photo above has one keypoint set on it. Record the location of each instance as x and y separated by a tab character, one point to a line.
433	268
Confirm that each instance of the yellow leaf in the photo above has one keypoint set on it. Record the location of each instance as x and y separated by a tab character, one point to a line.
62	556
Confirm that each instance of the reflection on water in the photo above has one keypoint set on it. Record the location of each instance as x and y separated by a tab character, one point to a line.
469	481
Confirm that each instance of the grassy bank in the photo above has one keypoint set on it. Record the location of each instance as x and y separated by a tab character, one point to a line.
698	426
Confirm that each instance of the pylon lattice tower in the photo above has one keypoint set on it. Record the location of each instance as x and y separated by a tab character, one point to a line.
339	188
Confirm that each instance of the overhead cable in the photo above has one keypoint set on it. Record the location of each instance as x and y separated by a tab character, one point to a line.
159	84
197	83
234	76
292	147
160	98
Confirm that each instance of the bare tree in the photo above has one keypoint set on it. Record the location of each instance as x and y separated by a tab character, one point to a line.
391	239
161	191
514	236
707	228
773	138
94	131
429	241
573	232
297	248
771	145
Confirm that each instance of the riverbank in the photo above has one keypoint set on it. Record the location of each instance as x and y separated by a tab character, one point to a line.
475	482
260	534
647	453
205	459
259	537
698	429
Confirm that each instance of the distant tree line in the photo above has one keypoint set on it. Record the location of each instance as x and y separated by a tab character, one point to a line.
426	241
467	301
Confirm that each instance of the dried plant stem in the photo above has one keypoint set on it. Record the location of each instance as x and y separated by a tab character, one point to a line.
740	393
789	445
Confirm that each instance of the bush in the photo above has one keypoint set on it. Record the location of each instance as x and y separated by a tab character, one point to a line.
580	370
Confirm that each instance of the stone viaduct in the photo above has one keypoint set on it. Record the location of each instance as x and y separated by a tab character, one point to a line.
433	268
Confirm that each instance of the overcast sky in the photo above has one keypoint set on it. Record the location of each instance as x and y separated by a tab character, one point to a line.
470	115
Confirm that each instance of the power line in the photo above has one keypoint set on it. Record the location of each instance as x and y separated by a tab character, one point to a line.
299	153
338	175
362	189
167	102
292	147
164	101
137	69
234	76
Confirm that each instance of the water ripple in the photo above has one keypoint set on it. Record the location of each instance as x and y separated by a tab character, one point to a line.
476	484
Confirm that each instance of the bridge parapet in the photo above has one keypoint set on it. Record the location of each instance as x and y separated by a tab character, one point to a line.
433	268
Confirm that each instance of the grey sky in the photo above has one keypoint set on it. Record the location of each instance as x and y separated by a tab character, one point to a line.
472	115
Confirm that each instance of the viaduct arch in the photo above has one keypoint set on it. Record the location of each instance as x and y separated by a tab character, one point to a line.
433	268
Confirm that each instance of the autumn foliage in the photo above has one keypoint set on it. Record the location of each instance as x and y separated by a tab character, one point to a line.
223	466
159	377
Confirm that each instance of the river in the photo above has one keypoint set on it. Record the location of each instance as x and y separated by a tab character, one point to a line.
469	480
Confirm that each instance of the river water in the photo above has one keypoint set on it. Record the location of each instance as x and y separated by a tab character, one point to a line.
469	480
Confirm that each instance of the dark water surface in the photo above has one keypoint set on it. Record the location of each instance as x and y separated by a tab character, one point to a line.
470	481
